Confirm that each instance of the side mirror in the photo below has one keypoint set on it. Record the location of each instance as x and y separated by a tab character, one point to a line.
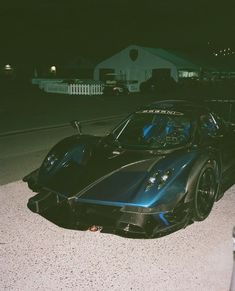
77	125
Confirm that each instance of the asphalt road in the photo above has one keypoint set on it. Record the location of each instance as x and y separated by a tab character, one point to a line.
22	153
25	111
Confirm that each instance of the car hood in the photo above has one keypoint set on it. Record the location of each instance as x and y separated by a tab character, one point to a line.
115	176
127	175
119	185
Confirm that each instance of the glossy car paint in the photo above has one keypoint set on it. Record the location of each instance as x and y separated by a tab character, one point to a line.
98	174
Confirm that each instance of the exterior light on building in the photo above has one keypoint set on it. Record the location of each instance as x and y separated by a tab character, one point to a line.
8	70
8	67
188	74
53	69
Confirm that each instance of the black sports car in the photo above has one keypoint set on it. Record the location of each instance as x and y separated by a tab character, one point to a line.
160	169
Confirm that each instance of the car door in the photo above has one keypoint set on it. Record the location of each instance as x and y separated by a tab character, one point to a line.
216	136
227	143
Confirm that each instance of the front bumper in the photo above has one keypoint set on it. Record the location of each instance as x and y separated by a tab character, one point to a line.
68	213
125	221
32	181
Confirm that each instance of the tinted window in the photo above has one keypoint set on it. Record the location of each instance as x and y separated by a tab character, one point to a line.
208	125
158	131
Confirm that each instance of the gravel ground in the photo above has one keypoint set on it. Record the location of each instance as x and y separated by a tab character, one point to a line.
38	255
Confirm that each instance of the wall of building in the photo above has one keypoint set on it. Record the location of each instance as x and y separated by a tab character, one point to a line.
139	69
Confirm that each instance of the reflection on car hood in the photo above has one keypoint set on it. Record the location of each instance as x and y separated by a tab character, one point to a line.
128	178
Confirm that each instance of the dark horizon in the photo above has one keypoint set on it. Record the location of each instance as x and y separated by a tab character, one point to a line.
61	30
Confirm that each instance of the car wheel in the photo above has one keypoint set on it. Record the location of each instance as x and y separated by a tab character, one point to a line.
116	92
206	189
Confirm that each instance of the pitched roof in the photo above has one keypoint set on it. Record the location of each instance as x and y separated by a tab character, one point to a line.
179	61
195	61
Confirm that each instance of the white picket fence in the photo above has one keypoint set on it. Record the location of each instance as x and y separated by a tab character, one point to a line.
85	89
73	89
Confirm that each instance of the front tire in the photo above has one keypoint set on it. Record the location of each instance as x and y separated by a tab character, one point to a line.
206	189
116	92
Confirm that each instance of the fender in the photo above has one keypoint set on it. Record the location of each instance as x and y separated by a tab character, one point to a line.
75	150
68	143
203	158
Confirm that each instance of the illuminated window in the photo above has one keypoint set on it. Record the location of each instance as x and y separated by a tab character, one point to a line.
188	74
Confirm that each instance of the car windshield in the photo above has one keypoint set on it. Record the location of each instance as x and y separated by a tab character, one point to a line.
164	130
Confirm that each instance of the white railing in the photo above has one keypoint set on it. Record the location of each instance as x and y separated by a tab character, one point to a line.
74	89
78	87
85	89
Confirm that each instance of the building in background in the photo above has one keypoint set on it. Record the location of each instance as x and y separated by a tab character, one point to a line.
136	64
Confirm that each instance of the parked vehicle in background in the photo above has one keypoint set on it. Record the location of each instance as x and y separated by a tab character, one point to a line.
160	85
120	87
113	87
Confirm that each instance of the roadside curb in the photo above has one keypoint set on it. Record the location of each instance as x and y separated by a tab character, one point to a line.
62	125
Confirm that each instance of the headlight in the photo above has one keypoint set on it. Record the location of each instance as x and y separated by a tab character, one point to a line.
50	161
157	180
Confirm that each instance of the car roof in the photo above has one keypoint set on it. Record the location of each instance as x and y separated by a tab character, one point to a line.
183	106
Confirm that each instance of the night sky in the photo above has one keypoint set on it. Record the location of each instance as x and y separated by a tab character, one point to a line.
59	30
